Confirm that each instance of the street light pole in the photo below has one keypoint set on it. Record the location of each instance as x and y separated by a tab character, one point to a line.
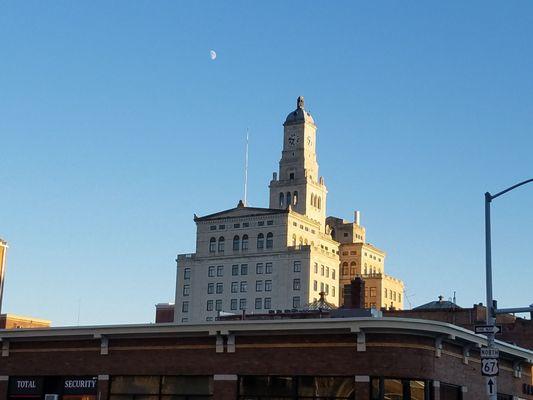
491	306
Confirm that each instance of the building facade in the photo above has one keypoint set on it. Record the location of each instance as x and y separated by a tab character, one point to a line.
3	255
255	260
335	359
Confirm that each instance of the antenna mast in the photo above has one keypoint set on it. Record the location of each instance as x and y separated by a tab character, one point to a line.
246	170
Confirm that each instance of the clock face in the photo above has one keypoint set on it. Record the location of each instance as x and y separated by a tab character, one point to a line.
293	139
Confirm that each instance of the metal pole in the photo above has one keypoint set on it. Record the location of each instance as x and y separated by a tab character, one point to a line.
491	320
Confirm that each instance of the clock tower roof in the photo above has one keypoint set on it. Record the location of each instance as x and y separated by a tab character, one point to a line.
300	115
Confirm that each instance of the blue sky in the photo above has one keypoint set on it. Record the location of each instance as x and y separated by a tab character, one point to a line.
116	126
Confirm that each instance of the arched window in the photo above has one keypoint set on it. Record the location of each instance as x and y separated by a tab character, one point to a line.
270	240
294	240
305	241
319	201
260	241
312	199
244	243
295	198
221	243
281	199
300	241
345	268
288	199
236	243
212	245
352	268
366	271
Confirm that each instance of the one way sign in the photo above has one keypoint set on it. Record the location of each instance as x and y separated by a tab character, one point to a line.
491	385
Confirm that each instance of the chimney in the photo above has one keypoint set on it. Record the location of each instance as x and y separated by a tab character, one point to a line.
357	217
354	294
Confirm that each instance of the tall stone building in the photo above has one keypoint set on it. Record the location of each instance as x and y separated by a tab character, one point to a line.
254	260
3	253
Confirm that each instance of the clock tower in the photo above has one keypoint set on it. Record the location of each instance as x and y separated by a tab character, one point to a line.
298	183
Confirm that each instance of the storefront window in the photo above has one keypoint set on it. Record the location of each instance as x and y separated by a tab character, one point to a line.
292	388
399	389
450	392
161	388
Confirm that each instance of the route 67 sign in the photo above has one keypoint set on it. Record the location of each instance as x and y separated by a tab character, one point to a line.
489	366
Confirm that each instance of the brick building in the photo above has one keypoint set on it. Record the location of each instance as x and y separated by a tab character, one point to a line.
334	358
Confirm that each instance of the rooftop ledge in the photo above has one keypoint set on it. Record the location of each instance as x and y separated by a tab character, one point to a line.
444	331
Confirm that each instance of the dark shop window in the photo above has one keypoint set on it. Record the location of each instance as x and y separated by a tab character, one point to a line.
400	389
161	388
298	387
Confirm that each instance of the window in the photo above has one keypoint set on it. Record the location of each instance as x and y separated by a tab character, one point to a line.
233	304
268	303
297	266
327	288
209	305
210	288
186	290
288	198
234	287
212	245
184	319
291	175
281	199
268	268
258	303
260	241
316	268
372	292
322	270
258	286
236	243
315	285
327	272
244	269
399	297
270	222
385	292
185	306
211	272
353	253
213	228
220	270
321	286
209	318
259	268
242	304
345	268
296	302
244	242
220	288
333	291
236	226
296	284
345	234
221	241
270	240
394	296
218	305
187	273
235	270
261	223
245	224
294	240
268	286
244	287
333	274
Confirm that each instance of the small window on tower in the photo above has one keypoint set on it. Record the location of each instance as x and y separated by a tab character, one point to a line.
291	175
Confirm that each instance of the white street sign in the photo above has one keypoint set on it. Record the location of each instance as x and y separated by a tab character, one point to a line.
491	385
489	366
489	353
488	329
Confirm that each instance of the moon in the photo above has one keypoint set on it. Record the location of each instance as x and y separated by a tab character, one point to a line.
213	54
